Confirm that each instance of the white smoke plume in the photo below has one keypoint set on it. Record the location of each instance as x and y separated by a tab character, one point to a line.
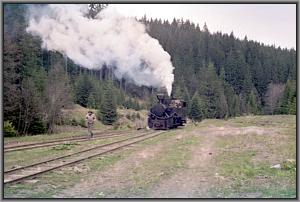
111	39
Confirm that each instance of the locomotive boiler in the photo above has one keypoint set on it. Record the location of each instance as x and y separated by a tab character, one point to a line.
167	113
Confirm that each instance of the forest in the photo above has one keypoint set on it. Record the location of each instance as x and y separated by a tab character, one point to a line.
217	74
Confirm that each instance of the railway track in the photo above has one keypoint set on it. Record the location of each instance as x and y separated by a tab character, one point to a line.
21	173
106	131
62	141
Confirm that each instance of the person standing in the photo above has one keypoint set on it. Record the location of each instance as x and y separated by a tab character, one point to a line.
90	118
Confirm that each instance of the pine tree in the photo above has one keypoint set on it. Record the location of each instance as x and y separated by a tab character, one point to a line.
288	95
233	101
212	93
83	88
195	112
108	109
253	102
293	106
11	81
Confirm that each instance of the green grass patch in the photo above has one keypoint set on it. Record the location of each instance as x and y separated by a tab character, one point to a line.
26	157
165	164
65	146
245	164
264	121
43	137
53	183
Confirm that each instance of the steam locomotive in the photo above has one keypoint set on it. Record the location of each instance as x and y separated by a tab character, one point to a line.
167	113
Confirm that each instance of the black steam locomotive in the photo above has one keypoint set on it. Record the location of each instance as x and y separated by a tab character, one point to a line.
167	113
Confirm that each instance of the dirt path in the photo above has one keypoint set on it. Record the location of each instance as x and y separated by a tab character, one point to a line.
200	174
196	178
112	180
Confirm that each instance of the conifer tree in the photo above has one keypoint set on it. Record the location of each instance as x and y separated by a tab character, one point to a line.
288	95
293	106
83	88
195	109
108	109
212	92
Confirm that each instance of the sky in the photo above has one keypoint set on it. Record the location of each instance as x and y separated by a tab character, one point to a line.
271	24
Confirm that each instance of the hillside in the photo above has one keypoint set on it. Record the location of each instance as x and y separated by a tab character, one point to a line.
226	76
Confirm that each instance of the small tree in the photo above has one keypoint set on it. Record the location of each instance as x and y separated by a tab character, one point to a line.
9	130
108	109
57	95
32	109
288	97
293	106
195	110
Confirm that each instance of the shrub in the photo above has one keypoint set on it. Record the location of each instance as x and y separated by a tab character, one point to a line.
138	116
133	116
82	123
74	122
9	130
289	164
37	127
128	116
116	125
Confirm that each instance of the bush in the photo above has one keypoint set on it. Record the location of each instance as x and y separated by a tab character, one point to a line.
9	130
128	116
37	127
74	122
133	116
116	125
289	164
82	123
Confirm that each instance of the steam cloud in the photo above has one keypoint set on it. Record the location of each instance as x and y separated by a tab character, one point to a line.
111	39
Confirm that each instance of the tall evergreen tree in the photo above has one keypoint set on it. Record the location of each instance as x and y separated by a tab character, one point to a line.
196	112
212	92
289	96
108	109
83	89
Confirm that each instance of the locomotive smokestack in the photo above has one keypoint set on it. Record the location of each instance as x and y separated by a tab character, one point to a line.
109	39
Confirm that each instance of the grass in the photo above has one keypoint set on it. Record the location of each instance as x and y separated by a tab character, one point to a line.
245	163
65	146
162	166
264	121
52	183
26	157
44	137
78	113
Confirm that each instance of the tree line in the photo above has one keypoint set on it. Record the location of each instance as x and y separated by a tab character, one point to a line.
222	76
217	74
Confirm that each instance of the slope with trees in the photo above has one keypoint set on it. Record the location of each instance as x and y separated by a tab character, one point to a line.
230	76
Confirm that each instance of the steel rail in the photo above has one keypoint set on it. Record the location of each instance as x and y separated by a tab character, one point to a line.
8	173
55	142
